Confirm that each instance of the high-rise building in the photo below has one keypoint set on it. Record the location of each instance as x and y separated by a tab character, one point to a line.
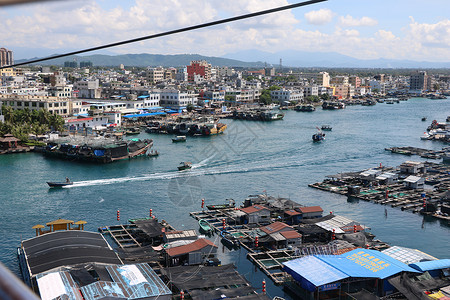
418	81
6	57
85	64
201	68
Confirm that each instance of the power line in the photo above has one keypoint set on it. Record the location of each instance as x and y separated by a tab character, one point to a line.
227	20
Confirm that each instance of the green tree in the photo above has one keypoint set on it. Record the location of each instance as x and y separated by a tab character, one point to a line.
325	97
8	113
312	99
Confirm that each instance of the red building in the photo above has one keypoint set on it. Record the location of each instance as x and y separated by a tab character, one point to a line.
201	68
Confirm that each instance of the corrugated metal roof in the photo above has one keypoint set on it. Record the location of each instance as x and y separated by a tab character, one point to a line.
194	246
407	255
310	209
254	208
57	284
292	234
313	270
274	227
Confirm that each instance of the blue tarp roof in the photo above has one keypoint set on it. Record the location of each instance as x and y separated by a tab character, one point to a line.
143	96
144	115
366	263
314	270
317	270
431	265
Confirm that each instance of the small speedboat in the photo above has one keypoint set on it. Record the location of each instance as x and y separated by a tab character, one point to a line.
327	127
317	137
184	166
424	118
59	184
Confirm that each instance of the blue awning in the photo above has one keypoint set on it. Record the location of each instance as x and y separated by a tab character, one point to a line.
431	265
143	96
144	115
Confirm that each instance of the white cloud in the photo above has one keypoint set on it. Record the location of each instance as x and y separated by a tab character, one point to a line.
349	21
56	26
319	17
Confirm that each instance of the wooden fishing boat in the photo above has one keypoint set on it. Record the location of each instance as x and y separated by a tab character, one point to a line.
204	226
180	138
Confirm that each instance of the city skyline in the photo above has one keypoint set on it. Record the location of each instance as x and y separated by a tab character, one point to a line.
401	30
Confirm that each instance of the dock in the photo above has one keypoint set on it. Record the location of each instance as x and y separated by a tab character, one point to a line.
425	153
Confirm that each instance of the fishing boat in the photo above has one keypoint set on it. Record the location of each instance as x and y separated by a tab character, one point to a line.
229	239
424	118
306	107
204	226
184	166
231	203
326	127
152	153
54	184
179	138
133	131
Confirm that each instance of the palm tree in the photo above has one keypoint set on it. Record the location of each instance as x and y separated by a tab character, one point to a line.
8	113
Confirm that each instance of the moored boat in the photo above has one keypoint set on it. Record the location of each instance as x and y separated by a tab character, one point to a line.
179	138
326	127
229	239
205	226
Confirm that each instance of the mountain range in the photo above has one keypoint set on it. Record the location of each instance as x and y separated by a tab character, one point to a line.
248	59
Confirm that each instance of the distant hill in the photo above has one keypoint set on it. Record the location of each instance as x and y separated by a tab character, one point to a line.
293	58
145	60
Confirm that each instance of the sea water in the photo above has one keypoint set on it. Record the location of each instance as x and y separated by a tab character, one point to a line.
277	158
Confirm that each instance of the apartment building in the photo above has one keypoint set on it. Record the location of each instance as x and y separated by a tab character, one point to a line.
286	97
176	99
54	105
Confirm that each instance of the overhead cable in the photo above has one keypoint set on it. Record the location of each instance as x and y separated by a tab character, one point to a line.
190	28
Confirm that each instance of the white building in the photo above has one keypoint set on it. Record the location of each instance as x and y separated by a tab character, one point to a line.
378	86
175	99
286	97
88	89
311	91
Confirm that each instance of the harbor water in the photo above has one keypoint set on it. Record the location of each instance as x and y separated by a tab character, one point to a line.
278	158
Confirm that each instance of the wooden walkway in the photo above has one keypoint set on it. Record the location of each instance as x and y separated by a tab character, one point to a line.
121	235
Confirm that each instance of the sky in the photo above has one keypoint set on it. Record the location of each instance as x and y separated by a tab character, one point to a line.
390	29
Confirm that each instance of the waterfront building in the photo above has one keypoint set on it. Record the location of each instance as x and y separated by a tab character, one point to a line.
279	235
377	87
311	90
54	105
243	96
256	214
286	97
175	99
328	276
6	57
89	122
201	68
194	253
211	96
344	91
418	81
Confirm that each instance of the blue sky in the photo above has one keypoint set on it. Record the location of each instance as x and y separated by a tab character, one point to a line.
399	29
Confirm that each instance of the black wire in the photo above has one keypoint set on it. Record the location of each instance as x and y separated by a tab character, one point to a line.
232	19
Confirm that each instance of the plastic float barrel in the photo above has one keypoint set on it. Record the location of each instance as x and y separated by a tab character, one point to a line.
118	215
256	242
151	212
354	228
264	286
203	203
333	236
223	224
